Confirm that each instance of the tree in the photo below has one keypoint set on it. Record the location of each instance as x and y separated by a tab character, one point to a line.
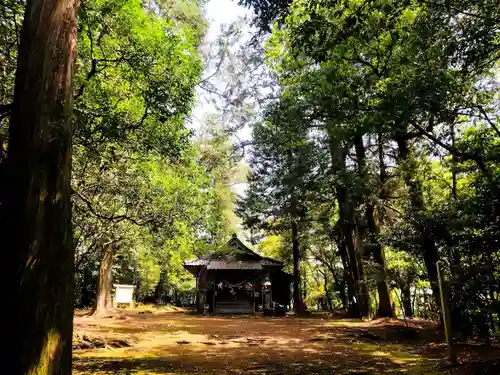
390	86
274	201
35	204
219	157
134	92
140	184
267	11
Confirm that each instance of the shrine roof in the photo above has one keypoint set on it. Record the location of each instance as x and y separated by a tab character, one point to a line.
233	255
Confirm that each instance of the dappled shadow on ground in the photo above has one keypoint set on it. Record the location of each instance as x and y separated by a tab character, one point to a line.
164	365
476	358
173	343
490	367
92	365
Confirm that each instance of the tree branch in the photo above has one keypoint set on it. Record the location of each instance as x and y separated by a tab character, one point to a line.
487	118
217	70
116	219
5	110
393	209
452	150
447	5
90	74
141	121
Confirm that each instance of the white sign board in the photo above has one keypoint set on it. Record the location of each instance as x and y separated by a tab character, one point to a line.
124	293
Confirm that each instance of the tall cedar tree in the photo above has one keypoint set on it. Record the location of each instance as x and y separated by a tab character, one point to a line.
35	209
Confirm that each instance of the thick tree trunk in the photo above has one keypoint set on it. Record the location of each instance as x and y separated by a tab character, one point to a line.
428	246
372	246
348	298
35	218
297	294
160	287
361	298
453	165
343	294
103	297
304	292
327	292
384	296
360	306
406	300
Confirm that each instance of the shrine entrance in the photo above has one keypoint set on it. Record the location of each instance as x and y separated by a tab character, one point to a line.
233	295
236	280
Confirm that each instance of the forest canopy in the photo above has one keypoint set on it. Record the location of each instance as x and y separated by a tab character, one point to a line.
379	157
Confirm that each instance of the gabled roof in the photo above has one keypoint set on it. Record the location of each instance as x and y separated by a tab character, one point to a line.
233	255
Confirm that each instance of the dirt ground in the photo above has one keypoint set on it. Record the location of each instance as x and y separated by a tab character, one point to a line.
182	343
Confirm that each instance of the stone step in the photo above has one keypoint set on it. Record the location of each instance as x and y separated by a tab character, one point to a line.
234	307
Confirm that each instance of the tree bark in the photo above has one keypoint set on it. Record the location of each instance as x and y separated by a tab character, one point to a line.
327	291
428	246
103	297
406	300
160	287
349	282
297	295
385	301
35	215
372	246
453	165
350	233
360	306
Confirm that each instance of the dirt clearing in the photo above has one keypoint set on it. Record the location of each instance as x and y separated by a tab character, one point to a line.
180	343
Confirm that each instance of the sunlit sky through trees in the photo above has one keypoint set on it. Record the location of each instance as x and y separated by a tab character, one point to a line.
218	13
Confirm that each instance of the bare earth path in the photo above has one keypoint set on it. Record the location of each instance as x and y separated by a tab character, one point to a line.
180	343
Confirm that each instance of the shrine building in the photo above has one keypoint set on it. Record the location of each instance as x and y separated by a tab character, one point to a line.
236	280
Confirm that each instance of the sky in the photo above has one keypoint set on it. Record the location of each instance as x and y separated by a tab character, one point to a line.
223	12
218	13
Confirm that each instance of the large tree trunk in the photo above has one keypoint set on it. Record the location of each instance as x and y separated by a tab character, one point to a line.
348	299
428	246
103	297
160	287
297	295
406	300
453	165
35	216
327	291
384	296
372	246
360	306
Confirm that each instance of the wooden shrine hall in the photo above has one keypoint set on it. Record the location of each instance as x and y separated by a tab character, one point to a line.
235	279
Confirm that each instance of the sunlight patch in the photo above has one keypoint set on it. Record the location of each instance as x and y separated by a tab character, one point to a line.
48	355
